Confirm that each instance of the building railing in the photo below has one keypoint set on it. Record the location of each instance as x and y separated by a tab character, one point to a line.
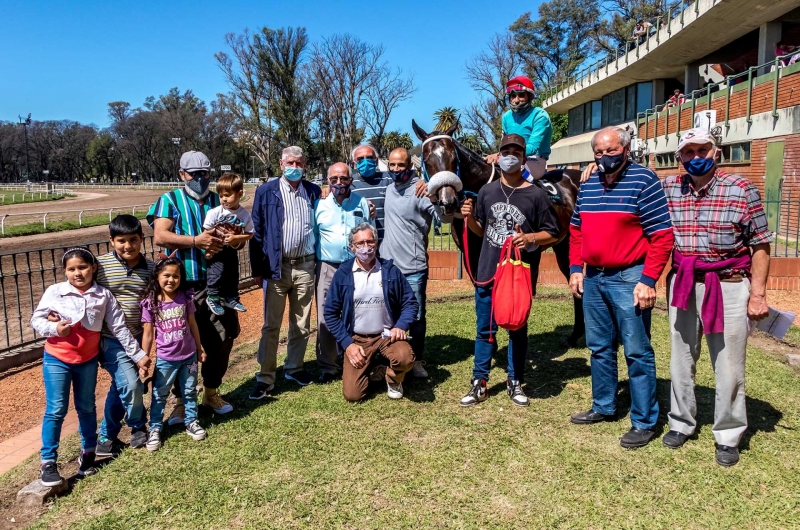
700	99
583	77
24	276
783	216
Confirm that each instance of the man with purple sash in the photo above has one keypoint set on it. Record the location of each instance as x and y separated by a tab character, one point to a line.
718	282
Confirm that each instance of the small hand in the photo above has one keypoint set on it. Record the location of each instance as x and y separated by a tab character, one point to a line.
397	334
757	308
227	239
422	189
644	296
207	241
355	354
64	328
52	316
576	284
143	364
520	239
373	213
203	355
466	208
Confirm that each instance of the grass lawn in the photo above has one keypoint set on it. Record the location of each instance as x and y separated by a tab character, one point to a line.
59	226
307	459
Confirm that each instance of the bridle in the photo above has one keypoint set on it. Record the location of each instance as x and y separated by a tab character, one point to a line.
461	194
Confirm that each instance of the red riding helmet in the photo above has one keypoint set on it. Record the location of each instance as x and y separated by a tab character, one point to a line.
519	83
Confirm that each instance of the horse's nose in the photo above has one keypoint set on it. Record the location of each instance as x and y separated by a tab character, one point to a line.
450	205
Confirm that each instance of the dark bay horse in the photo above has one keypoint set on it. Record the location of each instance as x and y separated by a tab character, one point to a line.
442	153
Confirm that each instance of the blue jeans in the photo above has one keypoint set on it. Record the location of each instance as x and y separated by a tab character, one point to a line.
124	394
167	373
611	317
58	377
419	284
484	350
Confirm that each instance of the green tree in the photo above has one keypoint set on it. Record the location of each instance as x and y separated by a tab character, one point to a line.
100	157
472	141
445	118
621	16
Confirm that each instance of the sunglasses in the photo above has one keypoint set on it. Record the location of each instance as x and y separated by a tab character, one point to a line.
343	180
359	159
201	173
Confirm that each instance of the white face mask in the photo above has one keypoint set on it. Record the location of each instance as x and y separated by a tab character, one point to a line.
509	163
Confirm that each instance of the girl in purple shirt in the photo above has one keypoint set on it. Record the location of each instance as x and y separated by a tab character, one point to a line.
168	317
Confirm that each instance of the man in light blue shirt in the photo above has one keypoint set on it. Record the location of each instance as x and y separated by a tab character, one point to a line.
335	215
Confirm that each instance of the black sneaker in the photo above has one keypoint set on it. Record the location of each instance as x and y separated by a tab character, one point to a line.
477	394
112	448
301	377
138	438
86	464
260	391
517	395
49	475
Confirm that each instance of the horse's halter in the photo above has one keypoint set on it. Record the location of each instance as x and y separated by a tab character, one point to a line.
461	194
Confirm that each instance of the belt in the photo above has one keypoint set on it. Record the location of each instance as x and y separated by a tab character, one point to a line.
729	277
298	261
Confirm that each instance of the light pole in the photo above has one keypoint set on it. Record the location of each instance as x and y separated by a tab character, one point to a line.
25	123
177	143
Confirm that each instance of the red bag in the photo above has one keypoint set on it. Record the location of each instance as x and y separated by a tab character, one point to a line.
512	292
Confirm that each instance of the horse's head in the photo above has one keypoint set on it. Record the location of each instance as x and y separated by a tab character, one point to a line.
440	164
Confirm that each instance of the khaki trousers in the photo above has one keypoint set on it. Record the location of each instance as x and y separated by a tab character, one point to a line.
356	380
296	285
327	351
727	350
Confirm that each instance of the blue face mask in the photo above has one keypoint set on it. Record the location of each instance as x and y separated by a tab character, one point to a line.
697	167
293	173
366	167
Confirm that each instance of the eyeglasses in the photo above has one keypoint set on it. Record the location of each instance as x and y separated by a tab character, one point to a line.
367	243
343	180
359	159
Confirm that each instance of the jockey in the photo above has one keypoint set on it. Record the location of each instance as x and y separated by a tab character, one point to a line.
532	123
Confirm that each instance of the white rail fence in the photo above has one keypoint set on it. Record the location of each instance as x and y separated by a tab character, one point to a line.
68	214
11	197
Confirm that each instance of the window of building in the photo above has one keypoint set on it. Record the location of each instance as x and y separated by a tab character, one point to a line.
630	103
617	113
597	108
587	116
666	160
575	118
644	96
738	153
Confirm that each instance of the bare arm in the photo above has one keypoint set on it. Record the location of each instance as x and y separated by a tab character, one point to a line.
472	223
164	236
757	307
148	337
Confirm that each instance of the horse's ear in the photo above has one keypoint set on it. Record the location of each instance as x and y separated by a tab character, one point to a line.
453	128
421	134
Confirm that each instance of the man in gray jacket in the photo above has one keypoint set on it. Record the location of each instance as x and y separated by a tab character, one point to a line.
407	224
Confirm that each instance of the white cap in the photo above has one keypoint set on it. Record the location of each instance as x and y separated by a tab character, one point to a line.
696	136
194	161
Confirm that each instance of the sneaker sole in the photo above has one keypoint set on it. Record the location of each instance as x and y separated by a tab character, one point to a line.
521	404
51	484
259	397
293	380
224	410
634	446
394	396
198	437
471	404
153	449
87	473
109	454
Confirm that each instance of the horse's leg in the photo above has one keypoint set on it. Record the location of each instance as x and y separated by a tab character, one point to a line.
579	327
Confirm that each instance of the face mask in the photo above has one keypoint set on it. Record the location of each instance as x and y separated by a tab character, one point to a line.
197	187
401	177
509	163
340	189
697	167
293	173
366	167
521	107
608	164
365	254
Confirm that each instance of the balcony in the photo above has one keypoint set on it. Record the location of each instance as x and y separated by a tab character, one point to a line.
682	37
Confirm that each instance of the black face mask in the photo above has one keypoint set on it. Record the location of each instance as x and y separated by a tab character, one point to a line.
608	164
401	177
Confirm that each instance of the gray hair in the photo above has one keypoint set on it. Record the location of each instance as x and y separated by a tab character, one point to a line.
624	136
356	148
336	164
292	151
360	228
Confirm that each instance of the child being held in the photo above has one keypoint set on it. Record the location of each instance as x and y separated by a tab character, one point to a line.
233	223
168	318
70	315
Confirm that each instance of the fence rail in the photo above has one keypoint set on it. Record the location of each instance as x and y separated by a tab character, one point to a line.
783	216
66	215
33	194
24	276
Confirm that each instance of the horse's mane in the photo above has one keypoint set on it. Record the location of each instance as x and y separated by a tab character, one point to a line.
472	155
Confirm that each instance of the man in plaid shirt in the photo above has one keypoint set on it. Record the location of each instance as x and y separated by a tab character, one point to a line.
718	282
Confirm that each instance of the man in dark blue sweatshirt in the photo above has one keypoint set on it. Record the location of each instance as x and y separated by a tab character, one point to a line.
369	308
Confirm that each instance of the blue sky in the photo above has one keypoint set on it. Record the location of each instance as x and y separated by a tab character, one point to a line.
67	60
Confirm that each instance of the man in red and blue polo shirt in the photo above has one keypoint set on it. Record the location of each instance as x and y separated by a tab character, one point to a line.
720	265
621	231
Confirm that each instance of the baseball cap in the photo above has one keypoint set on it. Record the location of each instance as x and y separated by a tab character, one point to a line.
512	139
696	136
195	161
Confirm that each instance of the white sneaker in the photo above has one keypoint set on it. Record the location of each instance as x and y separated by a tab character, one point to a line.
395	391
154	440
418	370
196	431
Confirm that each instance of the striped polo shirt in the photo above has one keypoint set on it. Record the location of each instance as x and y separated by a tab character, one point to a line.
126	284
622	224
188	215
374	190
